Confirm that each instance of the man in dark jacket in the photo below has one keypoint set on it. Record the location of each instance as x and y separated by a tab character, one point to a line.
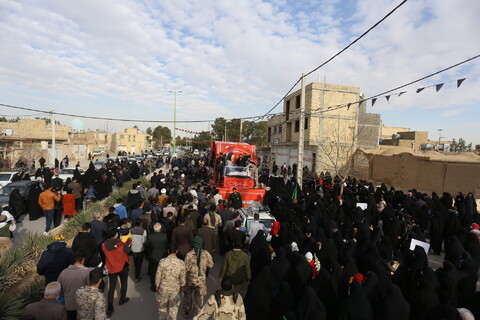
134	198
208	236
85	243
117	261
168	225
235	199
56	258
183	237
98	228
236	266
157	249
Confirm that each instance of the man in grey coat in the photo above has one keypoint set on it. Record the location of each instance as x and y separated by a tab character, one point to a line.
72	279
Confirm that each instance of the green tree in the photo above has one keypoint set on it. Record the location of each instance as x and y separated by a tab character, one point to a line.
202	140
218	128
255	133
161	135
149	131
179	141
252	132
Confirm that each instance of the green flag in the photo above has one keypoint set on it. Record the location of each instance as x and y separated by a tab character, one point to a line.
295	193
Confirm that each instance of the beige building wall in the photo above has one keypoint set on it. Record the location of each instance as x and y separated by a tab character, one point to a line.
331	133
131	140
387	132
35	129
30	139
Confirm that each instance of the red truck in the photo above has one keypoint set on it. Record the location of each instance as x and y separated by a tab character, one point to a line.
230	173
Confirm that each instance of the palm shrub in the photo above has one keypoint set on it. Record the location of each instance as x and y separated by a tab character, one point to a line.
10	307
74	224
37	243
18	261
14	264
33	293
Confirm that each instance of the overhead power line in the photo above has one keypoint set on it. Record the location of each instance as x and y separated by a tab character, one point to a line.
240	118
338	53
399	87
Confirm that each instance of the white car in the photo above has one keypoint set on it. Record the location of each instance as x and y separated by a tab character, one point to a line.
247	213
97	153
6	178
66	173
99	164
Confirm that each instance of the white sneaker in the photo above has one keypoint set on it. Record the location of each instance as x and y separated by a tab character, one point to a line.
45	233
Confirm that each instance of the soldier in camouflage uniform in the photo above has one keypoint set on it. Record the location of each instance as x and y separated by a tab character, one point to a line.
91	303
169	280
196	262
224	304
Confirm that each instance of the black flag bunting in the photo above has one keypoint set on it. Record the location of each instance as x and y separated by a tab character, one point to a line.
438	87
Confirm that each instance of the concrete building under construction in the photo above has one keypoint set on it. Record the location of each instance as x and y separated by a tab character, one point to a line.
336	124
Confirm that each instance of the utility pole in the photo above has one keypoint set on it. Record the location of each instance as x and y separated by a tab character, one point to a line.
52	159
240	137
174	116
225	139
301	135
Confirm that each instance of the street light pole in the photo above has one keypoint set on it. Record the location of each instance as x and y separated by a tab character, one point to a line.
174	116
52	159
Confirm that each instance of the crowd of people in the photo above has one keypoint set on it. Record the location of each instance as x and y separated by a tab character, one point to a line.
339	249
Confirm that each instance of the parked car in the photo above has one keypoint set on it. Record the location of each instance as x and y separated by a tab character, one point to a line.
99	164
23	186
6	177
66	173
97	152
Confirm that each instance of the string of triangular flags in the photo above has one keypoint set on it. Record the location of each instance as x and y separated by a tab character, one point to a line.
194	132
437	88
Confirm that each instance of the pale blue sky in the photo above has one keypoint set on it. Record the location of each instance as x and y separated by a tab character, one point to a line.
236	58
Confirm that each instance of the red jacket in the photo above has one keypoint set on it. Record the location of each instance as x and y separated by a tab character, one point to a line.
116	253
69	205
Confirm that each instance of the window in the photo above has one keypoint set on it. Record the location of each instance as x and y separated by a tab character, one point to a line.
129	139
122	137
297	125
134	138
275	130
297	101
306	123
287	110
269	133
280	129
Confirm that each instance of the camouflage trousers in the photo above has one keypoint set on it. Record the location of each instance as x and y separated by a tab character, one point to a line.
196	294
168	304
